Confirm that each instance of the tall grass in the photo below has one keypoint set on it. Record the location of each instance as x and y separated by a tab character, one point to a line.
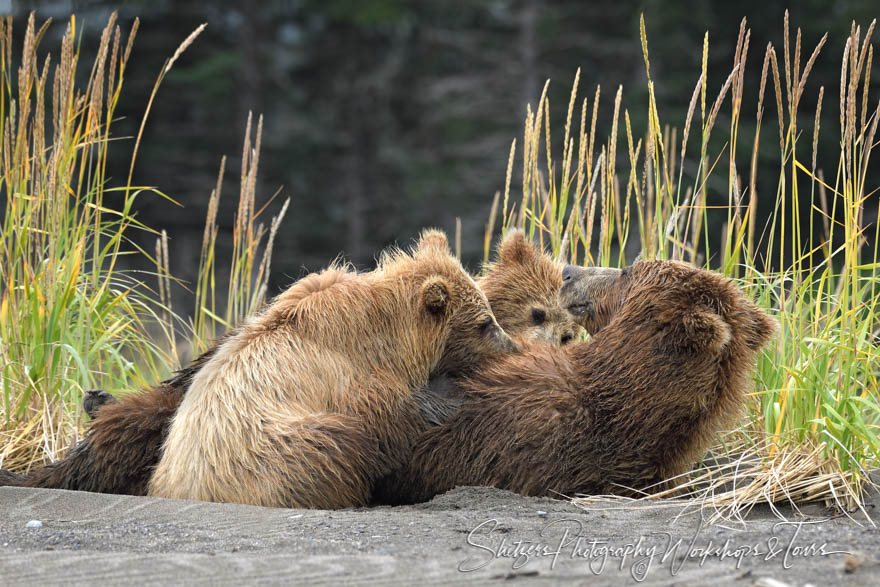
816	404
247	278
68	314
72	315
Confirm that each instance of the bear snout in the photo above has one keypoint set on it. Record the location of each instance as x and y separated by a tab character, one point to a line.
503	342
581	286
570	272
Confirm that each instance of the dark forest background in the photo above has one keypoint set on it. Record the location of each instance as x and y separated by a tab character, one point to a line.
384	116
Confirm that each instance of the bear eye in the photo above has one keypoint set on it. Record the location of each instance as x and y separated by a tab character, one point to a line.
566	338
486	326
538	316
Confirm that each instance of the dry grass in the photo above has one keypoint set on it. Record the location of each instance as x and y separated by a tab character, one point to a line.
738	475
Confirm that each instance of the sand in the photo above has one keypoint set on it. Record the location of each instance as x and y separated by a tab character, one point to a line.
467	536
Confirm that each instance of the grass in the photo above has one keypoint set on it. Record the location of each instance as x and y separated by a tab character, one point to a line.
73	316
812	426
69	313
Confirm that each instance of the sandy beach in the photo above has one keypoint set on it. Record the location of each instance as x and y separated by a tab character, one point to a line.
469	535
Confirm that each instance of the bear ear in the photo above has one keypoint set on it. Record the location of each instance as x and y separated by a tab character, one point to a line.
436	296
433	240
516	249
705	330
760	327
695	328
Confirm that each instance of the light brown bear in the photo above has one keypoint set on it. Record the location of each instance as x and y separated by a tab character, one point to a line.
667	367
124	442
312	399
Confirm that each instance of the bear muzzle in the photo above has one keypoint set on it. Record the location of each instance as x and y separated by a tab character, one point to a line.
581	286
503	342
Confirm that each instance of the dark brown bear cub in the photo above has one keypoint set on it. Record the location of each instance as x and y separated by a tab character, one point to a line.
667	367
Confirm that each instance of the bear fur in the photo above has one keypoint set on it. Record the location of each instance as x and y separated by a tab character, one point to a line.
667	367
522	286
124	442
312	399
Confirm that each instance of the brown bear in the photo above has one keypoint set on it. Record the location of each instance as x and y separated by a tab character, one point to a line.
307	403
668	365
124	442
522	286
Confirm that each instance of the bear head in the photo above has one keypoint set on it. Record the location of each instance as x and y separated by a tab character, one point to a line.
522	286
449	294
688	308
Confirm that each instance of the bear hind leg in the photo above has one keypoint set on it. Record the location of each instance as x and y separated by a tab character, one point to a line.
330	462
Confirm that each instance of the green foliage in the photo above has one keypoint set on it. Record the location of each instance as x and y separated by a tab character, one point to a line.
71	317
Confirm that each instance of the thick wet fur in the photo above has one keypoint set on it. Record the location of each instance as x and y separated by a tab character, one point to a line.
667	367
124	442
312	399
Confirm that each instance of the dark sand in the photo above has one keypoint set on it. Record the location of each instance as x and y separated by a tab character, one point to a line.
108	539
